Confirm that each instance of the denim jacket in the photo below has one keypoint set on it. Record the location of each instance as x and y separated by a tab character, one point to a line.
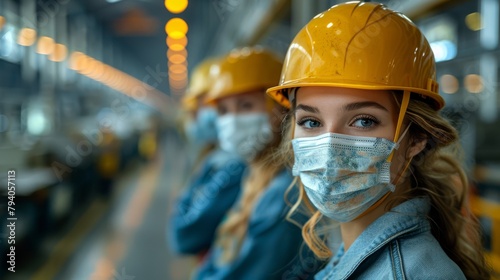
204	203
271	247
398	245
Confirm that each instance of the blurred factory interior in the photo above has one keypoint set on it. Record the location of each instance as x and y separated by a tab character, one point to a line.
89	109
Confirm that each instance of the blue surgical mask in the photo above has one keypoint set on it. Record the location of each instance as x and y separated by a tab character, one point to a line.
343	175
202	130
244	134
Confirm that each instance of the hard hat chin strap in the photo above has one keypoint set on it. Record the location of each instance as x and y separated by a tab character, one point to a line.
401	117
291	98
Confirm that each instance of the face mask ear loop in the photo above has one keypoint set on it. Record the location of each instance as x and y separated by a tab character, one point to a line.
400	174
402	112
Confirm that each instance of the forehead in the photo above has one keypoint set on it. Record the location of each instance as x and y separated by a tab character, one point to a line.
333	96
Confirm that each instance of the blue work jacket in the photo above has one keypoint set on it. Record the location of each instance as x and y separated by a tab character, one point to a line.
398	245
204	203
273	247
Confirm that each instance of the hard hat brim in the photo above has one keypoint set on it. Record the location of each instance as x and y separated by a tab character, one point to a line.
279	94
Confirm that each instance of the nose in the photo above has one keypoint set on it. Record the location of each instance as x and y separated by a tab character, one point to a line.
334	127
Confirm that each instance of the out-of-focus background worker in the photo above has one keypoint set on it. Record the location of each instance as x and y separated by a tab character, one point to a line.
215	178
255	241
197	120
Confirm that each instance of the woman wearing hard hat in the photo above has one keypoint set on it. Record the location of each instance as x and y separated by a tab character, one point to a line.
255	241
199	119
214	184
372	152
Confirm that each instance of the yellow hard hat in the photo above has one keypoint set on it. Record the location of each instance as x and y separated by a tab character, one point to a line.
199	83
189	104
360	45
244	70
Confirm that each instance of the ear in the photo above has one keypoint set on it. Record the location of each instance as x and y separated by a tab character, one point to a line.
417	145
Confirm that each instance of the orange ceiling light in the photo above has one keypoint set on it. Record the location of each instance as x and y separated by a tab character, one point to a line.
176	6
185	63
96	70
59	54
179	41
88	64
26	37
177	44
176	28
46	45
474	83
449	84
76	61
171	52
107	73
177	59
177	47
179	80
177	87
177	68
178	76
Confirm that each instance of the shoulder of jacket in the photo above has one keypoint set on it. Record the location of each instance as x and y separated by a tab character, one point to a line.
422	251
271	207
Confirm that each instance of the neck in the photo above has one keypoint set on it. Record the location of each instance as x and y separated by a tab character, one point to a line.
352	230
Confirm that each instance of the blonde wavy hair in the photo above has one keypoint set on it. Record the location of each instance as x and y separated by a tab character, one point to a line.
436	173
262	170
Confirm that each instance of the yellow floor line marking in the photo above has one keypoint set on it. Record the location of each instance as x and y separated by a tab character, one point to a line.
68	244
63	250
116	249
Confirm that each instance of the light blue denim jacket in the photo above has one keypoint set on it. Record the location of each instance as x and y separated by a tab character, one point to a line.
398	245
271	247
204	203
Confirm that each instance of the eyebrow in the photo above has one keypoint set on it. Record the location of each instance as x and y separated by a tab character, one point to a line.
306	108
359	105
348	107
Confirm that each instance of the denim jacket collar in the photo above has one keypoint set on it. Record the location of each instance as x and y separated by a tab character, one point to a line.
410	216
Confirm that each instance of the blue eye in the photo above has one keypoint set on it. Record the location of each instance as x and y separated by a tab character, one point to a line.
364	122
309	123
